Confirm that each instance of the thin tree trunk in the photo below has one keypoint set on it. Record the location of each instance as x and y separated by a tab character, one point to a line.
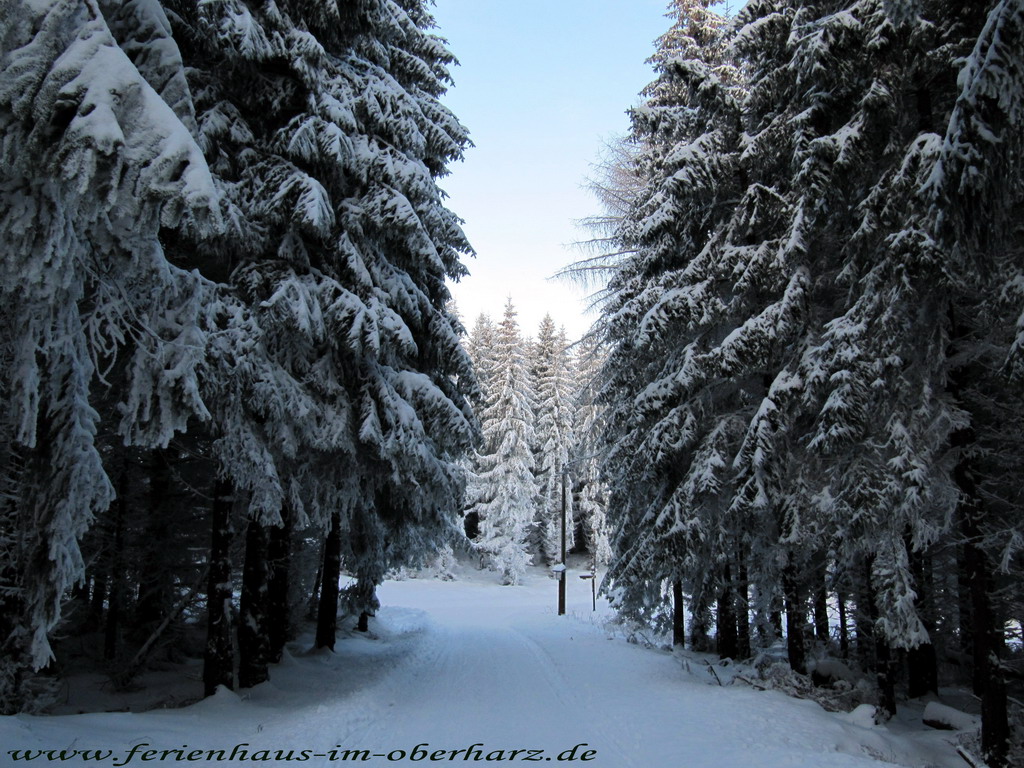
821	630
698	625
253	646
886	673
864	623
844	631
726	625
125	676
922	663
279	556
922	671
99	592
314	596
965	619
327	615
884	667
112	627
678	619
742	610
218	663
796	616
155	582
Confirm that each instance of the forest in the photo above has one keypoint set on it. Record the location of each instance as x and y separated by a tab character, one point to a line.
238	397
812	317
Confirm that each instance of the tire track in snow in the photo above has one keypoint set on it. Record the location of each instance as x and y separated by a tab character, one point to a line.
466	682
471	684
565	691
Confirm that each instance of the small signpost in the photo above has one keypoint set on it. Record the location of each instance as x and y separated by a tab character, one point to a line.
559	569
593	588
561	566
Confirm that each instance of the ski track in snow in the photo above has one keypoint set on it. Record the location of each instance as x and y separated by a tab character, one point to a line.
452	665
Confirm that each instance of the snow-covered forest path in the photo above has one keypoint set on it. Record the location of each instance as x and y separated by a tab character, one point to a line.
450	666
497	668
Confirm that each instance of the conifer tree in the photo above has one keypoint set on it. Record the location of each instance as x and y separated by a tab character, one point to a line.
669	435
591	493
553	436
341	254
231	212
912	362
809	331
502	489
480	347
95	164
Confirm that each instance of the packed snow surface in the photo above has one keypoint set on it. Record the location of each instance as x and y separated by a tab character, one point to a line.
469	672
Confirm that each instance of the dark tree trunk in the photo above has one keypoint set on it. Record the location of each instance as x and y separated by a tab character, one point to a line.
327	615
253	646
115	600
866	613
844	631
363	624
678	619
314	595
965	619
698	625
279	556
988	639
922	663
885	669
987	635
821	630
155	579
726	619
796	617
742	610
218	662
99	593
886	673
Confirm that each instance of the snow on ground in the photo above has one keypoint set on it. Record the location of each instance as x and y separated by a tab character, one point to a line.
453	667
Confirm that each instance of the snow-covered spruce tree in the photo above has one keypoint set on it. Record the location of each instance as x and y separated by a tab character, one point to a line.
480	347
876	373
974	193
914	363
328	132
743	250
869	515
553	437
590	493
862	90
502	490
97	159
670	425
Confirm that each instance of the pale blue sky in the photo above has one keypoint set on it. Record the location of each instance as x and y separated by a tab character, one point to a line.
542	84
